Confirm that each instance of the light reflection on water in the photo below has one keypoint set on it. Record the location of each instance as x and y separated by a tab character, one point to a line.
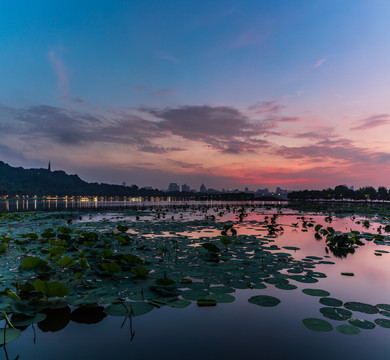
239	329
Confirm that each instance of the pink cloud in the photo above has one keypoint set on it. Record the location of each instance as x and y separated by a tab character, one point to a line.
320	62
372	122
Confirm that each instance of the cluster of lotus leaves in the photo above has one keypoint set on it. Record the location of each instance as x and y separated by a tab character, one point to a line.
128	268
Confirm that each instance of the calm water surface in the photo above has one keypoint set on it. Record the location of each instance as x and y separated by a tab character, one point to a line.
238	329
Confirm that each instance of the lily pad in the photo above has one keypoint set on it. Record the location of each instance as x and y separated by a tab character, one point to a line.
179	303
8	335
362	324
331	302
221	298
286	286
361	307
206	302
221	290
385	307
348	329
336	313
194	294
264	300
51	288
317	324
303	279
385	323
22	320
211	247
315	292
347	274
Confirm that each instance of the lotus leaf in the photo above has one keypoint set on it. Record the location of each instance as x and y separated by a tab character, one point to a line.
32	262
51	288
66	261
362	324
336	313
140	271
348	329
211	247
23	320
315	292
206	302
385	307
383	322
264	300
8	335
112	268
331	302
317	324
361	307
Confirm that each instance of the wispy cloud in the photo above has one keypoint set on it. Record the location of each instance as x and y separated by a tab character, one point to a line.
247	38
320	62
372	122
61	73
164	55
266	107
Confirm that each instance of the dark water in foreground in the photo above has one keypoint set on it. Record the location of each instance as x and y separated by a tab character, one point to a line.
239	329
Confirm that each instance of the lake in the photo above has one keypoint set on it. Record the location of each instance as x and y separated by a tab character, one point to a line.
274	282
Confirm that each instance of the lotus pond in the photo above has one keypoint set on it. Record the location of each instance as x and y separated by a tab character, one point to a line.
195	281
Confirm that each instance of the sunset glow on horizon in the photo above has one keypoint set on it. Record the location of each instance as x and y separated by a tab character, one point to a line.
231	94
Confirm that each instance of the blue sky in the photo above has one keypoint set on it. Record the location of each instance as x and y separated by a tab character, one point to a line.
276	69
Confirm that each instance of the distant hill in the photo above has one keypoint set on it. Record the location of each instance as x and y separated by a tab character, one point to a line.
41	182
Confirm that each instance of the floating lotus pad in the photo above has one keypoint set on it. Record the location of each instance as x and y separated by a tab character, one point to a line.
179	303
347	274
315	292
22	320
194	294
362	324
8	335
286	286
221	298
206	302
264	300
336	313
221	290
317	324
361	307
385	323
294	248
303	279
331	302
385	307
348	329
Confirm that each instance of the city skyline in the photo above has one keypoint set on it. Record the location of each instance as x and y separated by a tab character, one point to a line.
232	94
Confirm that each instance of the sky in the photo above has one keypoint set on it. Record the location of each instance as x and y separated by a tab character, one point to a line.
231	94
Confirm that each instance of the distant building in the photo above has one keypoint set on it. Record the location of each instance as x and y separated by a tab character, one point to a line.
173	187
202	188
49	167
123	183
246	189
185	188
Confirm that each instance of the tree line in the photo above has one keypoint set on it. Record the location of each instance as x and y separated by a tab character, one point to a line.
342	192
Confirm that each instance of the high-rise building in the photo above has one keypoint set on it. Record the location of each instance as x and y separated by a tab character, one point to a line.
173	187
202	188
185	188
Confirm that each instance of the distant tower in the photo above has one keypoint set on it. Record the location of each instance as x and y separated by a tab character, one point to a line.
123	183
49	167
202	188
